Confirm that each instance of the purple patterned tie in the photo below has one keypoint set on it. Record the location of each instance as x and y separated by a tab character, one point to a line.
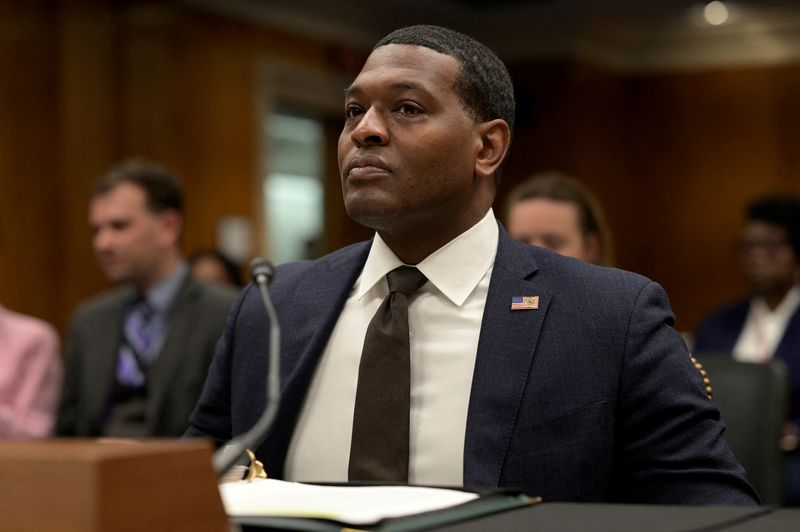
136	351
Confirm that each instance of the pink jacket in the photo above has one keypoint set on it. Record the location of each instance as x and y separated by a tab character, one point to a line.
30	376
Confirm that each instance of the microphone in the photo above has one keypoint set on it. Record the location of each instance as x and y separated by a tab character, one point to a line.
262	273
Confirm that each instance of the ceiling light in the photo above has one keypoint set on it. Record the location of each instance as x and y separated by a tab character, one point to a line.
716	13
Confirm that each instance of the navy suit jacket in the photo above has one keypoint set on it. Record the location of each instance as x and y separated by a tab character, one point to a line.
719	333
592	397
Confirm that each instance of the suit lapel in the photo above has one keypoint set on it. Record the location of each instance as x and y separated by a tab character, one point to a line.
171	358
506	349
788	352
101	358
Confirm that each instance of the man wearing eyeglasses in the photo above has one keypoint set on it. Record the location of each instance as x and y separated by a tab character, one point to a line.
767	325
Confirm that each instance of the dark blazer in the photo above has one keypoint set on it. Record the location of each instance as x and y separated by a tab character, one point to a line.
175	379
720	332
592	397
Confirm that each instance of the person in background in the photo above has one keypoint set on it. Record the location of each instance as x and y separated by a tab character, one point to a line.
766	325
212	266
137	355
555	211
442	351
30	376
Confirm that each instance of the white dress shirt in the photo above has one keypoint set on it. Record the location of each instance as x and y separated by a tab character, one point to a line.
763	329
444	324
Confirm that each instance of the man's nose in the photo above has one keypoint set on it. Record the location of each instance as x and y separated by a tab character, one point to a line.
370	130
101	240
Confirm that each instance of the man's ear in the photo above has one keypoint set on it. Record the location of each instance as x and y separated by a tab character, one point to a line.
495	137
172	226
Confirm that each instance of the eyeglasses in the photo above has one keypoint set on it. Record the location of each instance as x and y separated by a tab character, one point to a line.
770	246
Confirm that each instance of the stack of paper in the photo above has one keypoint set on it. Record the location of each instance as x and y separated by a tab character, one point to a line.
357	505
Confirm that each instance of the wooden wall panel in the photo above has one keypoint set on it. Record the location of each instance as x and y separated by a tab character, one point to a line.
30	188
674	157
707	144
89	123
165	84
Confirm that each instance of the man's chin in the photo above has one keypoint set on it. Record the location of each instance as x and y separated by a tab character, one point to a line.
764	286
116	275
370	214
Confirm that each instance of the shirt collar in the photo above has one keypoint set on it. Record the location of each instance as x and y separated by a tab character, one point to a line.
455	269
162	295
787	307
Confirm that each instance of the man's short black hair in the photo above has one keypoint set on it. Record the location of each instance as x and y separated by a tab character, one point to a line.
483	84
782	211
160	186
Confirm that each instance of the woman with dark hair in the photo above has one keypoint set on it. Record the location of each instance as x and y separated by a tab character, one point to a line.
211	265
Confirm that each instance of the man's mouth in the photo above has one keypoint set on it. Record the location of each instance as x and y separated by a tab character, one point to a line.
366	167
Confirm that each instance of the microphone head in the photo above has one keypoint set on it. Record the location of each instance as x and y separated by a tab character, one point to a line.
261	270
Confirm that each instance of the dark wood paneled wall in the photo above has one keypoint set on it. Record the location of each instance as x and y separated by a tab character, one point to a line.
31	210
88	84
673	157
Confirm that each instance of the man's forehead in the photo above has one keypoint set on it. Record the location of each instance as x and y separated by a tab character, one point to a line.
124	196
763	226
392	85
405	66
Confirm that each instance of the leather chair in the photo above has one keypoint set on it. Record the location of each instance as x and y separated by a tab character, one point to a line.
752	399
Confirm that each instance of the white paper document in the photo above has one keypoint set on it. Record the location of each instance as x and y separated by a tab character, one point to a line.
358	505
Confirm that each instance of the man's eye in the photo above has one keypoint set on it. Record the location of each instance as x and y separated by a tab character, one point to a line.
352	111
409	109
554	243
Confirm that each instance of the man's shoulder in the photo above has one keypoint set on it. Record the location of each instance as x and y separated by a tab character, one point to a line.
293	272
210	294
331	273
103	303
728	318
728	310
584	276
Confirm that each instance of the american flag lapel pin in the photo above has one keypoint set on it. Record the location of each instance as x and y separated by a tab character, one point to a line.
524	302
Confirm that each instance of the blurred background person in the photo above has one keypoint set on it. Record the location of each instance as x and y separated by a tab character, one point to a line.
137	356
30	376
213	266
767	324
555	211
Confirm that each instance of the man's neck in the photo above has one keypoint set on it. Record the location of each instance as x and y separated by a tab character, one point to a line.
414	242
167	267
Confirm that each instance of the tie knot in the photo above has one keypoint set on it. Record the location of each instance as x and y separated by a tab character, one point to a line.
142	309
405	279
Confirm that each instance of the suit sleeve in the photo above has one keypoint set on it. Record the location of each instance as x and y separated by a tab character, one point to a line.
670	446
32	408
212	415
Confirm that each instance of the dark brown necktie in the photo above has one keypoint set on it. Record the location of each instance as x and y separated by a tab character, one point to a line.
379	448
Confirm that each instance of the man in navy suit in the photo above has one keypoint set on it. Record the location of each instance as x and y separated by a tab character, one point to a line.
527	369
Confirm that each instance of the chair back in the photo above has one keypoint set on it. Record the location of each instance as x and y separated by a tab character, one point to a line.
752	399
